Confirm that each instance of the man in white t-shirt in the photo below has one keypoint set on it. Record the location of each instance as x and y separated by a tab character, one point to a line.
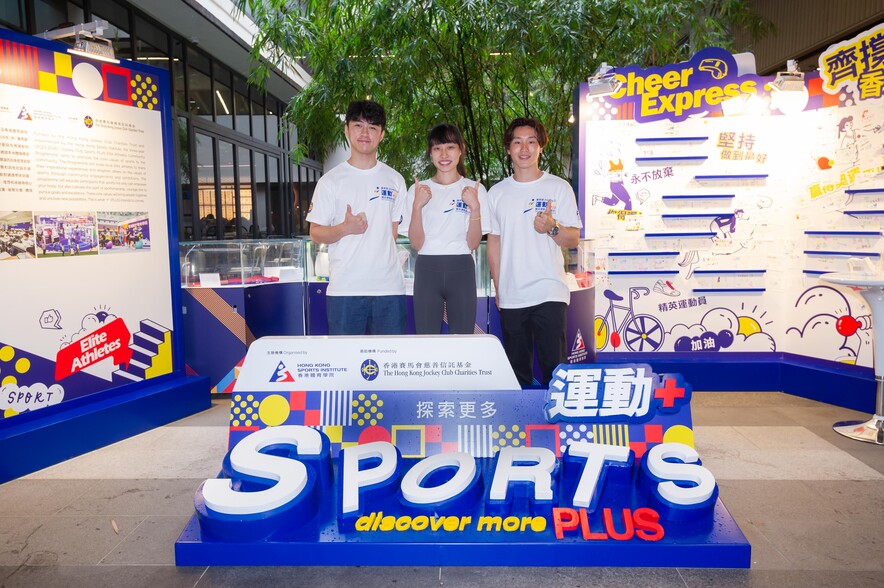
533	216
356	211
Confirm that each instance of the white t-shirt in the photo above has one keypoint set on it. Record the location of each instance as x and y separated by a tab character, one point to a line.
366	264
531	263
446	217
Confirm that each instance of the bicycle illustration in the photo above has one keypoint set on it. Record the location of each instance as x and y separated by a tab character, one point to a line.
639	332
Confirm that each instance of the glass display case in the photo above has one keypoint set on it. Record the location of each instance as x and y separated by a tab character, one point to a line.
214	264
580	266
317	265
242	274
234	292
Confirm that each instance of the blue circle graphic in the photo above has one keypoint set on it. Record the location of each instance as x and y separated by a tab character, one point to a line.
369	369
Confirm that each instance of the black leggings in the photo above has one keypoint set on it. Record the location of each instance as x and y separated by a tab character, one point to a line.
449	279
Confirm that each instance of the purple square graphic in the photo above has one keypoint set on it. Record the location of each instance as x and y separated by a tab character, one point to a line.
116	87
408	441
544	438
46	60
66	86
313	401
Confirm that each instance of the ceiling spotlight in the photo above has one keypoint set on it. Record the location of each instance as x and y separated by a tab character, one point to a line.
790	80
603	82
789	94
88	40
94	47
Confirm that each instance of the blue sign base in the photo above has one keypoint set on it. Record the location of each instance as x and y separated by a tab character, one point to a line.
720	544
35	440
599	470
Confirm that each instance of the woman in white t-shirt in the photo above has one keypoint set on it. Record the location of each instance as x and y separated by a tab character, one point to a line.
445	226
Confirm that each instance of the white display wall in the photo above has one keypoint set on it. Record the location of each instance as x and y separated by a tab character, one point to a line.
717	202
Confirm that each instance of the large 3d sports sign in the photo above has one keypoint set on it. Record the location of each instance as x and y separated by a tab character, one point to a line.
598	470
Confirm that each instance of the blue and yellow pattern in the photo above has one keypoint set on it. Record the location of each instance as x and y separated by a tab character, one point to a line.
42	69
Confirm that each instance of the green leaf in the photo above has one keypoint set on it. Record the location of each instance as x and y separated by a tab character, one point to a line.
475	63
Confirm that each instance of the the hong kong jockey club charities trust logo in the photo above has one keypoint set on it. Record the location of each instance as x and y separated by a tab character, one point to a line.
369	369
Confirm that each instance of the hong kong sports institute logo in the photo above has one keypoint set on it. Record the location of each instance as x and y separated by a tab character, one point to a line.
369	369
281	374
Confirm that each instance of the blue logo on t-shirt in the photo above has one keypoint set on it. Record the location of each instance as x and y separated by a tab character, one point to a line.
538	205
458	205
384	193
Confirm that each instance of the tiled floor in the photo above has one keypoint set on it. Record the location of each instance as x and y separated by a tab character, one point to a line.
810	502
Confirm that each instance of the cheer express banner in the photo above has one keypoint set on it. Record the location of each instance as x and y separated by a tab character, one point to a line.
600	469
677	91
109	342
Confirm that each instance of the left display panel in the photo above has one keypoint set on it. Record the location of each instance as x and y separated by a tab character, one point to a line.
86	241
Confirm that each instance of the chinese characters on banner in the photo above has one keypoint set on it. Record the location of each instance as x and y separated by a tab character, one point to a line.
856	64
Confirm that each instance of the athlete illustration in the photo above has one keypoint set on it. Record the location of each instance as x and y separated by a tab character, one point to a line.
868	126
618	190
612	168
847	140
690	259
724	226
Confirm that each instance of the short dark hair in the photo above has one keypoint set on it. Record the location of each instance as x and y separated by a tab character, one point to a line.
448	133
542	137
368	111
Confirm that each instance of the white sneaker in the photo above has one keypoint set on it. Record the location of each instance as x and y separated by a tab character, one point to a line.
666	287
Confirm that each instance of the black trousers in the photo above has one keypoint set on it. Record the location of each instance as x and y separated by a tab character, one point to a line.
444	281
541	326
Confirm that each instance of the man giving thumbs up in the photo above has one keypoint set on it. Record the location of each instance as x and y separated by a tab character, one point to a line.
533	215
356	211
